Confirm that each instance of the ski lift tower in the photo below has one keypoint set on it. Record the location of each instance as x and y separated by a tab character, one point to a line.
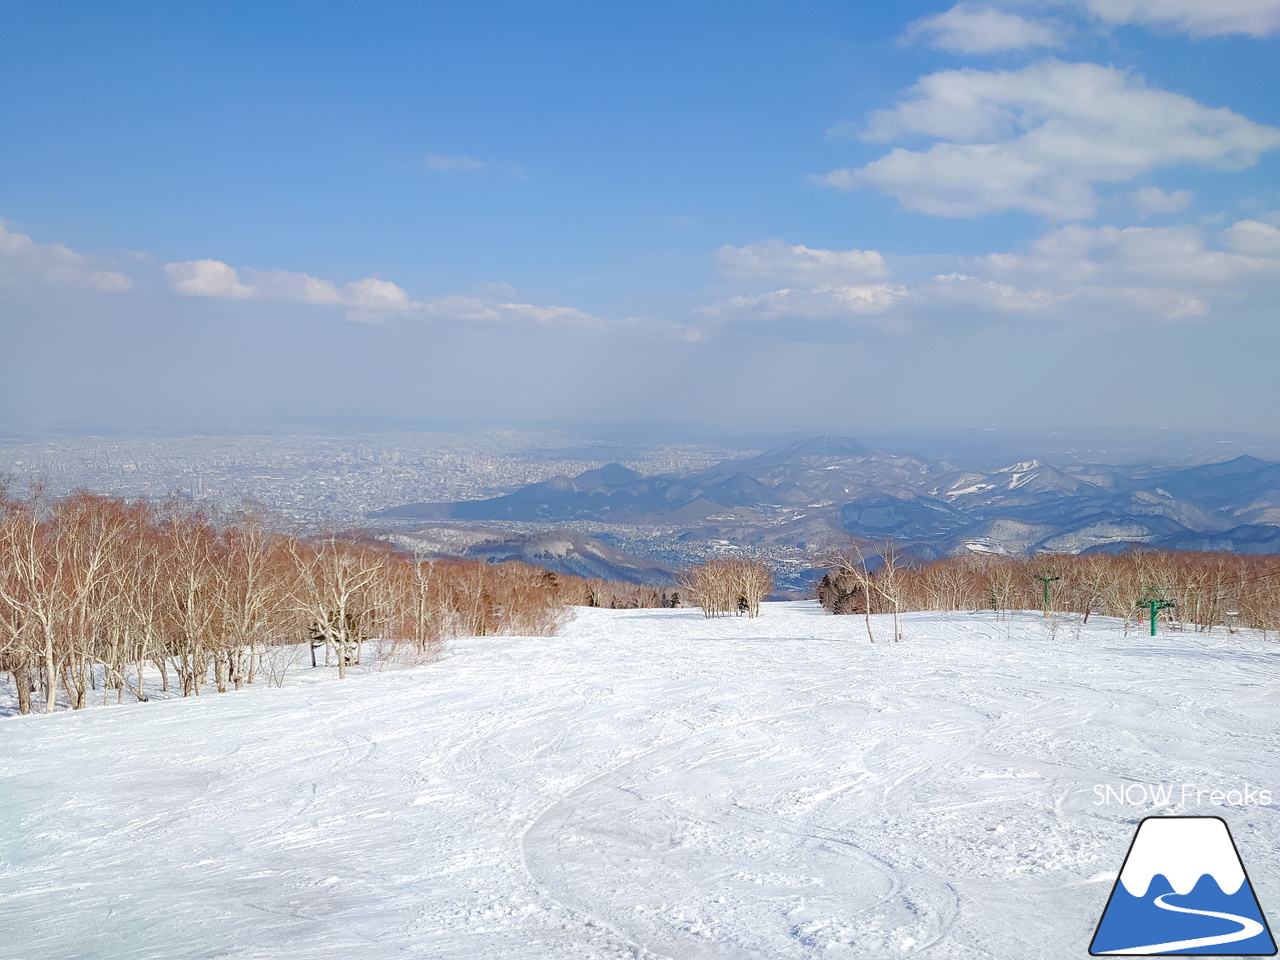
1046	580
1155	600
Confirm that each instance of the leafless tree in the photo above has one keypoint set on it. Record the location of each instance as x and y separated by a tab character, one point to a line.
333	583
728	585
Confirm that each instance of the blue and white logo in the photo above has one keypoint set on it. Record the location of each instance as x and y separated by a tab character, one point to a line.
1183	890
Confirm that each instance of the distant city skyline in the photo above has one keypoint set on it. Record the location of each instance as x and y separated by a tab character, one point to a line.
805	216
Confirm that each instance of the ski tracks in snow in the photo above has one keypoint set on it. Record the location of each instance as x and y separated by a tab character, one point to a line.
648	784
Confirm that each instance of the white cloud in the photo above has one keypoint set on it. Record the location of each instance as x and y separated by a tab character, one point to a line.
461	307
1039	138
1072	274
435	161
1152	254
292	287
549	316
376	296
207	278
491	309
1154	200
1196	17
366	301
825	284
1166	272
962	288
23	262
773	260
1252	237
826	302
971	28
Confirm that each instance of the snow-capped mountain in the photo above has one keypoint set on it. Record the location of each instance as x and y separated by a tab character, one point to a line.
793	502
1182	849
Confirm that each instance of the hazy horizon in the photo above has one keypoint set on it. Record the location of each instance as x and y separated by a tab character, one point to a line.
1118	445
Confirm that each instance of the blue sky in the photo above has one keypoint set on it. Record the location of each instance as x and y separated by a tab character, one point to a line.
804	214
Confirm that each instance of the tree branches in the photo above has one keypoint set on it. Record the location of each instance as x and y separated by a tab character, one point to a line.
728	585
95	590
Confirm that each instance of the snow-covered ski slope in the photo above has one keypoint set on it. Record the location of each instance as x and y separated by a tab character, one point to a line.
646	784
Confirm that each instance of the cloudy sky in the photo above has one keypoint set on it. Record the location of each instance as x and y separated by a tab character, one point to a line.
796	214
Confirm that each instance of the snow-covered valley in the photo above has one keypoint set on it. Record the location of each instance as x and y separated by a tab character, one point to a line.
648	783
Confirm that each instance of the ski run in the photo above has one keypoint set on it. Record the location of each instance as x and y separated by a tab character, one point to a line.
645	784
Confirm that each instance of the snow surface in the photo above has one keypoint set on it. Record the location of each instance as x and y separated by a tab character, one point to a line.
646	784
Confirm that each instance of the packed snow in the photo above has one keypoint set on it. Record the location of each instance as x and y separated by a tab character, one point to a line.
648	783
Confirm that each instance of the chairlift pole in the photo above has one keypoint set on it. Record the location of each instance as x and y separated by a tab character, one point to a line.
1046	581
1156	602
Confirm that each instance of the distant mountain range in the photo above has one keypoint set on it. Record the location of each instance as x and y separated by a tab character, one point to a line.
564	551
793	502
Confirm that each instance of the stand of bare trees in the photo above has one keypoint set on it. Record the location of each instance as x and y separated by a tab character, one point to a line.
616	595
1203	590
94	591
728	585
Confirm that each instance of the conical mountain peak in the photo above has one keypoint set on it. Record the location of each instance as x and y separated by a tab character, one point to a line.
1182	849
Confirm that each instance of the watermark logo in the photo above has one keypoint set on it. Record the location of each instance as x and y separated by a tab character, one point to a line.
1183	890
1185	794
